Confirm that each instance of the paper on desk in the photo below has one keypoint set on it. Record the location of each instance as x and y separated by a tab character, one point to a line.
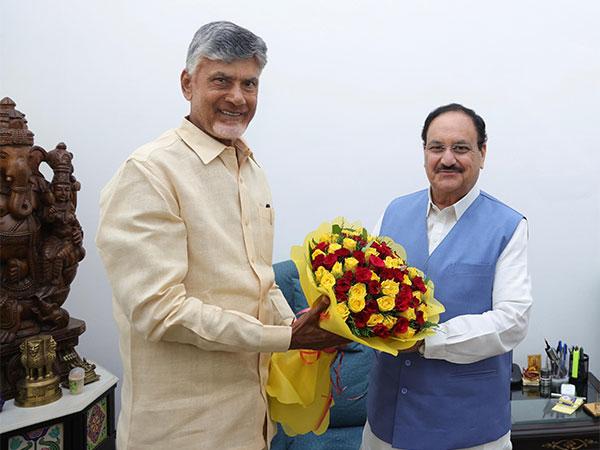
566	409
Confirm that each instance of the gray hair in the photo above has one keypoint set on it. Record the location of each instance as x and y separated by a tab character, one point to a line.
225	41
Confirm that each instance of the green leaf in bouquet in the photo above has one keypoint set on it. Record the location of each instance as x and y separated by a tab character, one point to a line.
355	330
336	229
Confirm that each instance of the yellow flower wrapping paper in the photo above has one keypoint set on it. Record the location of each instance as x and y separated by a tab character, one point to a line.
299	388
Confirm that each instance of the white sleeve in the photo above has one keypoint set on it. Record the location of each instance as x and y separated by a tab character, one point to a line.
472	337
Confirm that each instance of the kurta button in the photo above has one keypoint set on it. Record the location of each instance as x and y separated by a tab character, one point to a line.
404	390
407	363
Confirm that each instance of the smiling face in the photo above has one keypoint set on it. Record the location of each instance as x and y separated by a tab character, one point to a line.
222	96
452	158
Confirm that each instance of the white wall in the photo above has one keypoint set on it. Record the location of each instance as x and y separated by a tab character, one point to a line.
342	101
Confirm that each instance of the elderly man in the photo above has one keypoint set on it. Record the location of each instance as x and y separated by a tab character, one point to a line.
186	236
452	390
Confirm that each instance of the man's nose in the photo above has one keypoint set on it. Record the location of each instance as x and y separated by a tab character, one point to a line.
236	96
448	157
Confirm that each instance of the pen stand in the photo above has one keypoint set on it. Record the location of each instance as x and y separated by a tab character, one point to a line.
580	382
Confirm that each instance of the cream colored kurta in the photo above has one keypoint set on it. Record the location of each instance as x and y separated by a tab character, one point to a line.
186	236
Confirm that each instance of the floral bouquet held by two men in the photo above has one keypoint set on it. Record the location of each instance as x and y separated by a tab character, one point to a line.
376	299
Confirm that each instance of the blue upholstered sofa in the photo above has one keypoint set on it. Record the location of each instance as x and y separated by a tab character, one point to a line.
348	415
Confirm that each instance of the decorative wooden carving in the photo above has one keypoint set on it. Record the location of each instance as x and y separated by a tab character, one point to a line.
40	237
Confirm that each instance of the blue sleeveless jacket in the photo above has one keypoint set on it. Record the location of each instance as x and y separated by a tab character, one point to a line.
417	403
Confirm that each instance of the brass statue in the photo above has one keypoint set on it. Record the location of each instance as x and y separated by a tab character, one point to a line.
41	385
40	244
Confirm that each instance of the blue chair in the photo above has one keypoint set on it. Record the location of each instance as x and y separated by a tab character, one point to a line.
349	413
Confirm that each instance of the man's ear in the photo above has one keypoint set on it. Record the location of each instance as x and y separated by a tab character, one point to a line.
483	152
186	84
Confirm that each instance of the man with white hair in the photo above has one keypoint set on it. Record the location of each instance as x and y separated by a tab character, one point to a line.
186	236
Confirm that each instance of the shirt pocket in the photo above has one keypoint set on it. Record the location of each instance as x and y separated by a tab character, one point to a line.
266	219
474	284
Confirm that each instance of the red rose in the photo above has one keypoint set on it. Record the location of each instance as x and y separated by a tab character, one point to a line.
340	296
419	284
359	256
348	276
363	275
372	307
381	331
401	326
318	261
342	252
374	287
398	275
420	318
329	261
376	262
323	246
405	293
343	285
402	304
361	319
384	250
415	302
386	274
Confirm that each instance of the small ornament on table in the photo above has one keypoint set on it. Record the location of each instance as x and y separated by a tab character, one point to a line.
40	385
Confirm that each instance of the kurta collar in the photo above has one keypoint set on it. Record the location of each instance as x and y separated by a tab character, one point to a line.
205	146
460	206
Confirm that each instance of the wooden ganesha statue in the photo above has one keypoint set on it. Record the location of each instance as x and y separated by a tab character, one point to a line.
40	236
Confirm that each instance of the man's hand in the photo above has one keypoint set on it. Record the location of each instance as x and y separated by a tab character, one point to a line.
413	349
306	333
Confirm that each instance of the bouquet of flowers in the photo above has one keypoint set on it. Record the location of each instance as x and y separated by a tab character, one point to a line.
376	299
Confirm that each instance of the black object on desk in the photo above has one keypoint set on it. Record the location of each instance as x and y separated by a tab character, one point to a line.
516	378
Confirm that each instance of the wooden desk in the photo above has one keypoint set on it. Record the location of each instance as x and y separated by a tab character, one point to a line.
85	421
536	426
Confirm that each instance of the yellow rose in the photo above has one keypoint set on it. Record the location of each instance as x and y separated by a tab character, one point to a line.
356	304
390	287
375	319
343	310
414	272
316	253
324	238
358	290
333	247
327	280
350	264
370	251
418	294
406	280
374	276
336	270
389	322
392	263
349	244
409	314
386	303
319	273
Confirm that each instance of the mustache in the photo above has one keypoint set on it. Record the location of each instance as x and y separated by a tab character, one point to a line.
452	168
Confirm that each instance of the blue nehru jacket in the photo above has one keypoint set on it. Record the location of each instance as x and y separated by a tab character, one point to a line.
417	403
